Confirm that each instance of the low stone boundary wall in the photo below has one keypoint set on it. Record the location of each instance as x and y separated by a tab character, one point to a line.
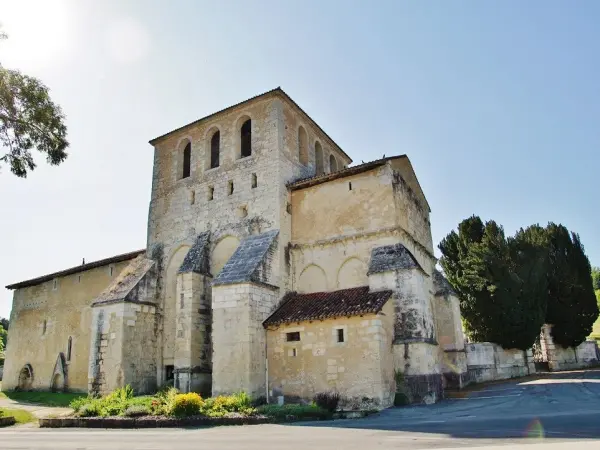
560	358
488	362
7	421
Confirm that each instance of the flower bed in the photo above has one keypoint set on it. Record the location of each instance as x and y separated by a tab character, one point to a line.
170	408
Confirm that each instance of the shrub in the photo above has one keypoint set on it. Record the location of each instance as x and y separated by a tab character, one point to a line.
223	404
77	403
91	409
164	400
136	411
260	401
327	400
400	399
307	412
186	404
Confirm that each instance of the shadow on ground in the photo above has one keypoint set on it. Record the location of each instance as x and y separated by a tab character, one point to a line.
552	405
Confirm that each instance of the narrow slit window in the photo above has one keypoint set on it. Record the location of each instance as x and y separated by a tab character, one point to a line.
254	181
293	337
215	145
69	347
294	352
230	188
187	159
111	269
54	284
246	139
192	197
44	326
349	185
340	335
211	193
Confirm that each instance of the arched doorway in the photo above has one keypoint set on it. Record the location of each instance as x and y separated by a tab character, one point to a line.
58	383
25	378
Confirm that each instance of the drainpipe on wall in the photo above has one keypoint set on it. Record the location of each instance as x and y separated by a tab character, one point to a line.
266	369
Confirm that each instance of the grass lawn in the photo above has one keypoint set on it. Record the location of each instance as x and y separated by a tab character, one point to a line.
20	415
43	398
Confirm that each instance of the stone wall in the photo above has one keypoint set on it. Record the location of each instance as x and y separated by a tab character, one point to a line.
239	338
560	358
43	318
360	368
488	362
123	350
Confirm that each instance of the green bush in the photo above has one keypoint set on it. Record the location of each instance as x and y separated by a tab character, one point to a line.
137	411
295	411
78	403
400	399
327	400
91	409
223	404
187	405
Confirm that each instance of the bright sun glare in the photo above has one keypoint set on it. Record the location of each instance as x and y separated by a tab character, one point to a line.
38	32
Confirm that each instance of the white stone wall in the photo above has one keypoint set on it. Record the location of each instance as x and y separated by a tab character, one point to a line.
239	339
487	362
560	358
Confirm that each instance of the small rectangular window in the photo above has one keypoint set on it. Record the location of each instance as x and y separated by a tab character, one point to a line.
340	335
230	188
293	337
192	197
349	185
294	352
54	284
211	193
254	181
111	268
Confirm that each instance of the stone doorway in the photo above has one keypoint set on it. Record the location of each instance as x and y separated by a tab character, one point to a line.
25	378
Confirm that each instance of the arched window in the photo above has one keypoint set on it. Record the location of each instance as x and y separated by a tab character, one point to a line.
332	164
69	347
187	158
246	139
302	146
215	144
319	158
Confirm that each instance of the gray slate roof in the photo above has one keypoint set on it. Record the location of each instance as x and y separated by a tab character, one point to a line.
441	285
391	257
197	258
250	260
122	287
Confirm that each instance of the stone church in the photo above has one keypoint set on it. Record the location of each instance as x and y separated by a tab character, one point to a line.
272	266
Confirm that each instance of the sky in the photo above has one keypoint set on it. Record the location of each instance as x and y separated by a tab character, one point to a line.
495	103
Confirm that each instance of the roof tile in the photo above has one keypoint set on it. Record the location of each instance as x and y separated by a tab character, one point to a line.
328	305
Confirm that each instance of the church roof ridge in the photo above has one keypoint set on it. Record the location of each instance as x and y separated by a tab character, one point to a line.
348	171
76	269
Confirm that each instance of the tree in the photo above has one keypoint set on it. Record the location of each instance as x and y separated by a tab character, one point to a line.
29	120
572	305
596	278
3	335
500	282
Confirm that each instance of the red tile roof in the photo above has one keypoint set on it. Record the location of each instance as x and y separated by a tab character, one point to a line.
328	305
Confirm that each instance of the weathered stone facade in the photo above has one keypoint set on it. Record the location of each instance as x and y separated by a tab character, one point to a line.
247	205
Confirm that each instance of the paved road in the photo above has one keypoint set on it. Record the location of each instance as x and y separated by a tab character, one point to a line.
545	414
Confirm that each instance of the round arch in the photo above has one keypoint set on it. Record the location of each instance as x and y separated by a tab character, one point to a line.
25	378
221	253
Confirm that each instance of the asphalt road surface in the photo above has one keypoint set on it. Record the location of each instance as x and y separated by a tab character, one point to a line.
549	413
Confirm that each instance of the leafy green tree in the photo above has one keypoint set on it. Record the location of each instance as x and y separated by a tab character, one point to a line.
596	278
500	282
572	305
29	120
3	335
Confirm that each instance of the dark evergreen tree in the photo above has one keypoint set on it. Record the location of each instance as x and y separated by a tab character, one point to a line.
500	282
572	307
